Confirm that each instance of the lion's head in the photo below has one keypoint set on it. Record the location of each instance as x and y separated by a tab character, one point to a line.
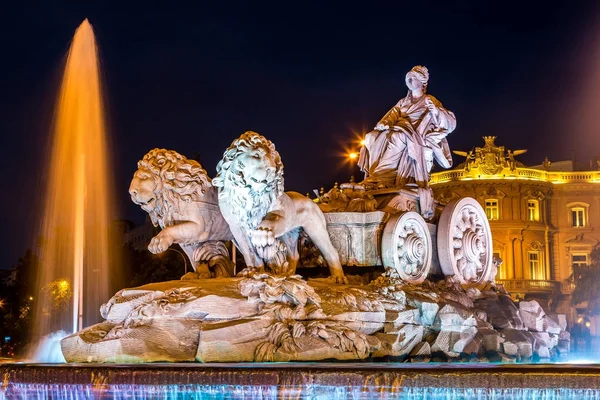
163	180
250	177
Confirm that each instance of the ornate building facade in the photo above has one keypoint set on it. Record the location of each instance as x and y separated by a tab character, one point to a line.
543	218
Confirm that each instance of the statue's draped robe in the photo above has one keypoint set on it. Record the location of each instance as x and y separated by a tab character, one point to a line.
407	150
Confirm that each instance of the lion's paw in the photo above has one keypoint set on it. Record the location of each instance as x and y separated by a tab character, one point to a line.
262	237
160	243
249	272
339	279
190	276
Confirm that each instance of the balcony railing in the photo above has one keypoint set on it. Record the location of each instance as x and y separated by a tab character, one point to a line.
530	285
518	173
567	287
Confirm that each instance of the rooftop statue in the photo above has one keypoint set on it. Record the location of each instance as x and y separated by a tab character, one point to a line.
408	138
179	197
263	219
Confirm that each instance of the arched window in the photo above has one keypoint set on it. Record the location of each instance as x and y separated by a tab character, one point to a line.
578	214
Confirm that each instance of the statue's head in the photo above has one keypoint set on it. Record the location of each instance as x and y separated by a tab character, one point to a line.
417	77
165	180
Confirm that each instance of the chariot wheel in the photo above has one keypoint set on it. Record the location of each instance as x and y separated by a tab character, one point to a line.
406	246
464	242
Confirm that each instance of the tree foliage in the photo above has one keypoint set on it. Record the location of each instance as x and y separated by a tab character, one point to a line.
17	292
18	289
144	267
587	283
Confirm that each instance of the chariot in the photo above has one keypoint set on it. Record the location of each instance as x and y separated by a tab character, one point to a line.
456	241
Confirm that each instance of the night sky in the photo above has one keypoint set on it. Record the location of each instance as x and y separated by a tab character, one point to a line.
308	76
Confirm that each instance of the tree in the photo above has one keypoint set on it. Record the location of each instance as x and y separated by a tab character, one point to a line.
586	278
18	296
145	267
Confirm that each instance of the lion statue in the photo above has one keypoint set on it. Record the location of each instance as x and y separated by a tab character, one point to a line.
260	214
178	196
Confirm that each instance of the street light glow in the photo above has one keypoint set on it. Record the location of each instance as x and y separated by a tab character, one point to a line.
353	155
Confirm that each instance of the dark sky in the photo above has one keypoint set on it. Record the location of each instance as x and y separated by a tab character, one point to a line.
306	75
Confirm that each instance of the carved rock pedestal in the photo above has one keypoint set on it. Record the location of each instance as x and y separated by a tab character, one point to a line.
269	318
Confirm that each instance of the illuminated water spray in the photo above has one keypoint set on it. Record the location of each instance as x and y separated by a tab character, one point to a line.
78	207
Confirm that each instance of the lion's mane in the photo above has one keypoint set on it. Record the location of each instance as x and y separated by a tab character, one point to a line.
178	180
248	206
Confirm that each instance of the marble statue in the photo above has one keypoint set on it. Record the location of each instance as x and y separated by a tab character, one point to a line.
407	140
179	197
267	313
263	219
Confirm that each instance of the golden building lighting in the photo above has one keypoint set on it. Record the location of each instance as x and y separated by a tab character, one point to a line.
543	218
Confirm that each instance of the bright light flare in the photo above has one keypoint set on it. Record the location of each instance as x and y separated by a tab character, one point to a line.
353	156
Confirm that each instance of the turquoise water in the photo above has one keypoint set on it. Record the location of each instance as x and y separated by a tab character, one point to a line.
201	392
257	381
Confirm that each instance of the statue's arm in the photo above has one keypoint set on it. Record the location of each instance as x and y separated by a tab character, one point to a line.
389	119
446	119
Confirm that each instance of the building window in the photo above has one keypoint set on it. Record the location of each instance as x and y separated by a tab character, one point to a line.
577	217
533	210
535	266
492	209
579	259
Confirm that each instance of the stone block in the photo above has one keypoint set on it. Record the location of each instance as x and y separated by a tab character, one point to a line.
457	297
421	353
232	341
410	316
541	339
168	340
564	335
428	312
444	342
560	319
543	352
532	322
451	318
551	326
467	333
469	343
402	342
480	314
532	307
491	340
510	349
501	312
522	340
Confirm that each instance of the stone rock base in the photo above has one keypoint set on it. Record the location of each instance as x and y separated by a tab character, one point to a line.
270	318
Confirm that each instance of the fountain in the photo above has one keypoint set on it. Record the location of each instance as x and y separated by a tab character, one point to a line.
75	254
430	326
